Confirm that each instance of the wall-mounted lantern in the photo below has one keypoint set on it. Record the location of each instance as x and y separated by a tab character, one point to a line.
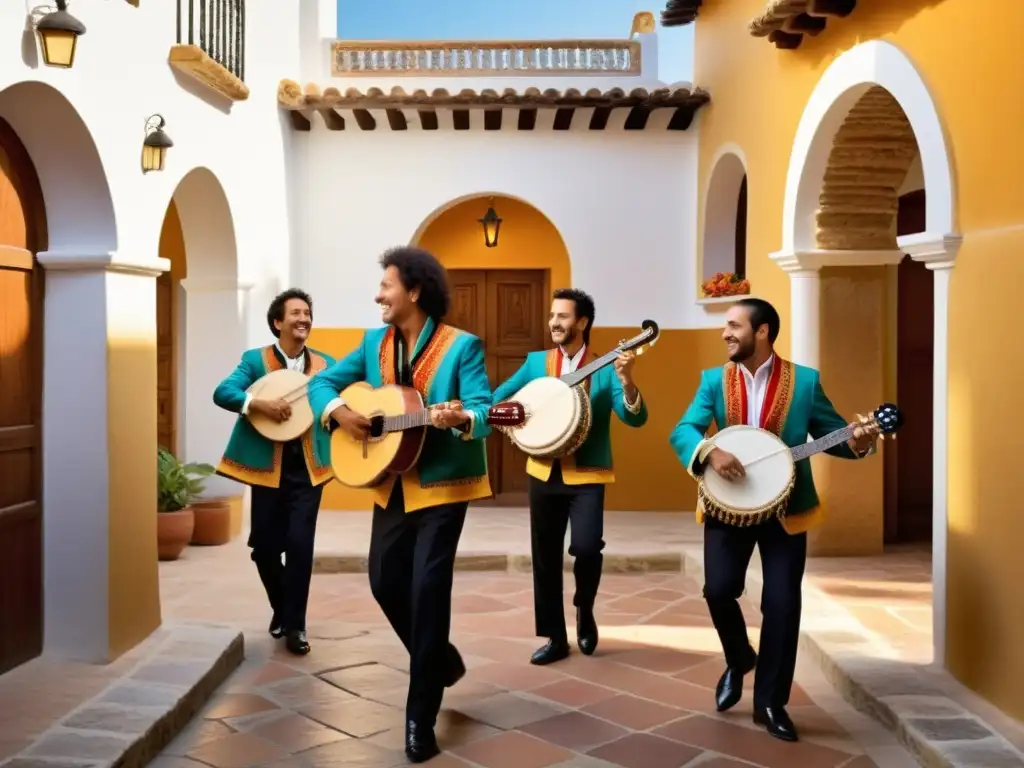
491	223
154	146
58	36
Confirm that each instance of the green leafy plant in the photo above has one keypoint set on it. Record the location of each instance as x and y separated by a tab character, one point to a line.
178	484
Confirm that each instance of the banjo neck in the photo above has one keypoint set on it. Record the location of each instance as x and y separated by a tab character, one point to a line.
831	440
648	336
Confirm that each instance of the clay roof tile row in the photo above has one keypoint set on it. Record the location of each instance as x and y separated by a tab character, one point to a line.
785	22
678	13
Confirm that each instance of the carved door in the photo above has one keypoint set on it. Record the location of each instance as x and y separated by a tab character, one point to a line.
165	406
909	468
508	310
22	233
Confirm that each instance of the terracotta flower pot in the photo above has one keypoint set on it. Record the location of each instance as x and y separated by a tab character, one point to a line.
173	532
213	522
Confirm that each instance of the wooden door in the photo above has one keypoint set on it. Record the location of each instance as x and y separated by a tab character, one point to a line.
22	233
508	310
165	405
909	468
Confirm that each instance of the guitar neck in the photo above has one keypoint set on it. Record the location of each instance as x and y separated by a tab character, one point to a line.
572	379
830	440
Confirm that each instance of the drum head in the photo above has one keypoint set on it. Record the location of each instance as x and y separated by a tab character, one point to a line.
290	385
552	410
766	480
278	384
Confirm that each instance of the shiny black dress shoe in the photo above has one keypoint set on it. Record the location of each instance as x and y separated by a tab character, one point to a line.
456	669
729	690
550	652
420	744
276	629
295	641
776	721
586	630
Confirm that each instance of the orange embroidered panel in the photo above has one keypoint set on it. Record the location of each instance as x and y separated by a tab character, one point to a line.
317	363
429	360
778	397
735	395
553	364
386	357
270	359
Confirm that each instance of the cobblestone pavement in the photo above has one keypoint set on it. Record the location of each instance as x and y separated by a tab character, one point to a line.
643	701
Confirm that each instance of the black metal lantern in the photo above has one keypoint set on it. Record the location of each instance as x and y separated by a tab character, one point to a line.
154	146
58	34
491	223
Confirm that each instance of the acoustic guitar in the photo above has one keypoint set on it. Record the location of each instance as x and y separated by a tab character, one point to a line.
398	428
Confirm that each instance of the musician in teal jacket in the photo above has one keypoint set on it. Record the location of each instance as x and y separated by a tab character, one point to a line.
570	491
287	479
418	519
757	387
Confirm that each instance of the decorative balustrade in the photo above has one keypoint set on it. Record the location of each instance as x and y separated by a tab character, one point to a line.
529	58
217	27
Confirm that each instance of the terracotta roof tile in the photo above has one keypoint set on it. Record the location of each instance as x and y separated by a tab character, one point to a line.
785	22
679	12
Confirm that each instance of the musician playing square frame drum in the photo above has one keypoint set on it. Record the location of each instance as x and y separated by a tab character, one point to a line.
757	387
570	491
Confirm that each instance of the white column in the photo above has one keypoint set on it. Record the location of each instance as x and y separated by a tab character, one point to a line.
87	303
805	316
212	345
940	454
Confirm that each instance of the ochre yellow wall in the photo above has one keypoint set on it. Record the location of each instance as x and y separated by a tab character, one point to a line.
649	477
971	68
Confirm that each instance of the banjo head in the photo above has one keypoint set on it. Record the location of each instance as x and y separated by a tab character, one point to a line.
275	385
767	481
553	409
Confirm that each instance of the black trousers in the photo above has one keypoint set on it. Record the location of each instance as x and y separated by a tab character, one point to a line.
283	522
412	565
553	506
727	552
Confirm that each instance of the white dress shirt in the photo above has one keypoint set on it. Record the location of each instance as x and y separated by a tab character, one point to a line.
757	390
291	363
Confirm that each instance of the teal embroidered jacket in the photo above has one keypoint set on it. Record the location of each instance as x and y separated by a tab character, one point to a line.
251	458
592	461
796	406
447	364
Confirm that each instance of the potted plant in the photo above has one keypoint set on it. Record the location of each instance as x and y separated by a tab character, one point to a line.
213	520
178	485
722	284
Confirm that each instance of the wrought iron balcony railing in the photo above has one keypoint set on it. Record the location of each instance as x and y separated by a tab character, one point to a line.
217	27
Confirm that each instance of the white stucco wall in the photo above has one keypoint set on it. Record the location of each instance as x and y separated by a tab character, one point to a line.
624	203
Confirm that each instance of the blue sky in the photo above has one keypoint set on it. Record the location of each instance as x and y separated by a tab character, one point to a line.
513	19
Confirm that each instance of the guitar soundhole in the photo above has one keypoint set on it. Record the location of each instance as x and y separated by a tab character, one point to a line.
376	427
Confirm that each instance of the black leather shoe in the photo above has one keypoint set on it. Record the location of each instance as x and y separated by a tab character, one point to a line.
729	690
456	667
586	630
420	744
550	652
276	629
776	721
295	641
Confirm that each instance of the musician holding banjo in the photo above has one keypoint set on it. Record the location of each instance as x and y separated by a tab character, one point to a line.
287	476
779	403
569	490
418	516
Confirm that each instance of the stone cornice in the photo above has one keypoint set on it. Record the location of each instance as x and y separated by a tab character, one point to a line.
68	261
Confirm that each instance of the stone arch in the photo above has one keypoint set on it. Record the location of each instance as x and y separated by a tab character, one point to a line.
877	67
724	237
209	325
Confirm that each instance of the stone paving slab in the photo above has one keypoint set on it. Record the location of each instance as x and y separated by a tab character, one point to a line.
894	686
645	700
141	710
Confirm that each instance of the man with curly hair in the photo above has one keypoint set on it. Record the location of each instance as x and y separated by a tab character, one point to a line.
418	517
287	479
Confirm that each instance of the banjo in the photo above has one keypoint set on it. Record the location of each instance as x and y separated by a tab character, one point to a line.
770	467
557	410
290	386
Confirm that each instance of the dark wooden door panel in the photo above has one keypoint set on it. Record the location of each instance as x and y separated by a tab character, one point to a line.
507	309
22	231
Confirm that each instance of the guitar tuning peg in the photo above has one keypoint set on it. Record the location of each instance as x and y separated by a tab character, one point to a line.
639	351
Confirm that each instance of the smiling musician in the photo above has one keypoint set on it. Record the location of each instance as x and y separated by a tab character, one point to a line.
570	491
758	388
287	479
418	519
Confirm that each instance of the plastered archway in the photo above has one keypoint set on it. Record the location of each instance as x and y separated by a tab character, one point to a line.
721	205
89	516
873	81
210	319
